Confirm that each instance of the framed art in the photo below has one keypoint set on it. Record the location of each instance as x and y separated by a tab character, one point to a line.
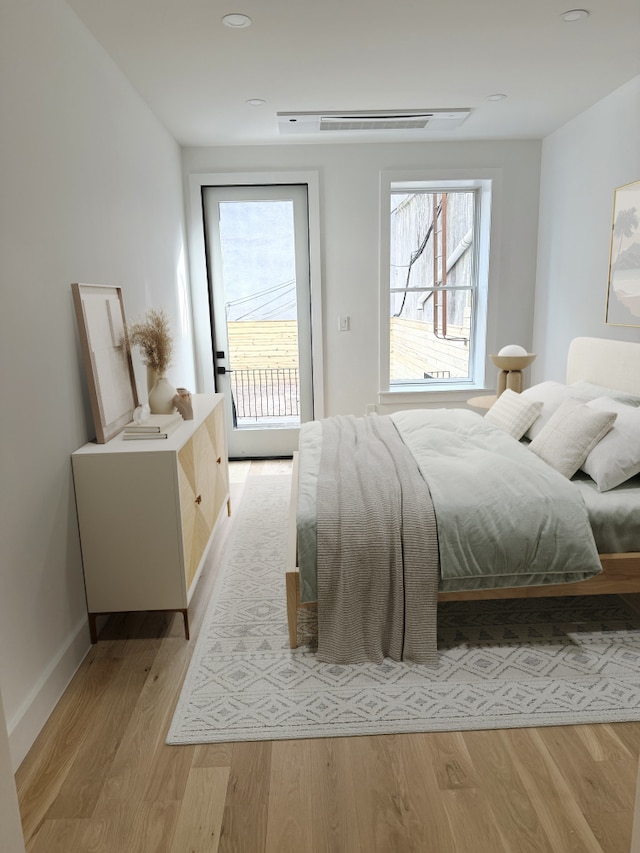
107	359
623	288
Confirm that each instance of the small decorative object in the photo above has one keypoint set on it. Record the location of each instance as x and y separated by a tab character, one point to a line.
141	414
182	402
153	337
512	360
623	289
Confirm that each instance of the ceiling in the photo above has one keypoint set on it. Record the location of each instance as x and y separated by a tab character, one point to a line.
345	55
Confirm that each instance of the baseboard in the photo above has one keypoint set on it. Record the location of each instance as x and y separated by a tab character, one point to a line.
26	724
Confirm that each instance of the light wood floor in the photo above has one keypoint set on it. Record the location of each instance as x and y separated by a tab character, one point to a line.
100	778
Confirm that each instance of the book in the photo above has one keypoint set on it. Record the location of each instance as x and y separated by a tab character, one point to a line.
155	423
144	436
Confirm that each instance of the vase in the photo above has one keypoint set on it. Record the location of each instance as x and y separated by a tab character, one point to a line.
161	397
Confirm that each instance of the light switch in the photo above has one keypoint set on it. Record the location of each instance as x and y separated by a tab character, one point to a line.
343	322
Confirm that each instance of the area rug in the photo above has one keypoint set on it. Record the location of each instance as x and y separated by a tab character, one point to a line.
502	664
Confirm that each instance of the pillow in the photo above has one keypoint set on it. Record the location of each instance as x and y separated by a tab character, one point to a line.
616	458
551	394
570	434
590	391
513	414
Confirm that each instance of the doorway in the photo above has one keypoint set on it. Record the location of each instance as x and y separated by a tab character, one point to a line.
257	250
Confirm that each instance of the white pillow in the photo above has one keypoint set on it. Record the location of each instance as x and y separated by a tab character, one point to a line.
513	414
590	391
551	394
616	458
570	434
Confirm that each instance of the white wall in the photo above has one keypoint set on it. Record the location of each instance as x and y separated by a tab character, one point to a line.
91	192
582	163
350	236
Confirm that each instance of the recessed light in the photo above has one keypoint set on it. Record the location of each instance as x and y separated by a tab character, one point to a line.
255	102
236	21
574	15
498	96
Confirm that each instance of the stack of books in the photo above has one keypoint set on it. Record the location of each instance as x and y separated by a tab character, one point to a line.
156	426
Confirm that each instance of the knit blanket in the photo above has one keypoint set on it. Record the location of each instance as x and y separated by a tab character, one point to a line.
377	547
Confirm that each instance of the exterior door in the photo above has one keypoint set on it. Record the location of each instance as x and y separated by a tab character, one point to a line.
257	243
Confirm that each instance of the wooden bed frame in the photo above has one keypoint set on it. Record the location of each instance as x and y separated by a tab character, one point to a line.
613	364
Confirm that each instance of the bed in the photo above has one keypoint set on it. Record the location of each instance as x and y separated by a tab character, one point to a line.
602	558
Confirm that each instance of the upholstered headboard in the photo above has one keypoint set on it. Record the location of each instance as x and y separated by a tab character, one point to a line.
614	364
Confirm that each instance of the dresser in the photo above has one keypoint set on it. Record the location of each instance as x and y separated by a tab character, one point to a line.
148	511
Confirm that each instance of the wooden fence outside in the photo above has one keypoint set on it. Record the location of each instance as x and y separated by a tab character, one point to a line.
263	344
263	359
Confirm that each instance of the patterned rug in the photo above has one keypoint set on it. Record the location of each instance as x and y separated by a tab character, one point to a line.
502	664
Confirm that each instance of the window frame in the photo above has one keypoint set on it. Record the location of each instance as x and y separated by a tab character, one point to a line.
484	183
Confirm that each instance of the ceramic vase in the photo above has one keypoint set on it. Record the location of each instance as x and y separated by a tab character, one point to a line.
161	397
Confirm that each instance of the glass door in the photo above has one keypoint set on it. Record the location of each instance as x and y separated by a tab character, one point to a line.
257	241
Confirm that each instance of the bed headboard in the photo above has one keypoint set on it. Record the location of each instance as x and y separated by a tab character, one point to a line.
614	364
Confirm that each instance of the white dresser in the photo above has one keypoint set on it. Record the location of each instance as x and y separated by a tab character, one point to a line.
147	513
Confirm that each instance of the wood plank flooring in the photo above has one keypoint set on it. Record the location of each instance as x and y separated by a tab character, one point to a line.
100	778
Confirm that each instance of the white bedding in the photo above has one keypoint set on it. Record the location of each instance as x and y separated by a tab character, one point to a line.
505	518
613	515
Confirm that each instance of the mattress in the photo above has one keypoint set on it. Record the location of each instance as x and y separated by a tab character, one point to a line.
613	515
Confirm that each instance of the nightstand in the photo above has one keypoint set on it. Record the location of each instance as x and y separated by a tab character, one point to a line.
482	402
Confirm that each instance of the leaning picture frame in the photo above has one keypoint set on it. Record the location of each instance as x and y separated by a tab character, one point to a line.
623	286
107	358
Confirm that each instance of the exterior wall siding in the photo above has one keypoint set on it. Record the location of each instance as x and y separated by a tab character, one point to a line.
415	350
263	344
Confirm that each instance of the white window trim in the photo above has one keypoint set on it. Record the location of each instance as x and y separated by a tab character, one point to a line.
203	354
489	182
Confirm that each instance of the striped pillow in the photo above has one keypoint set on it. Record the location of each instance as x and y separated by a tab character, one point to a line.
513	413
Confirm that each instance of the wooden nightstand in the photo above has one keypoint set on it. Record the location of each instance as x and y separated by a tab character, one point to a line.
482	402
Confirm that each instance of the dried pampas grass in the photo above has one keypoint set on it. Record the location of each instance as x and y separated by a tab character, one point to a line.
152	336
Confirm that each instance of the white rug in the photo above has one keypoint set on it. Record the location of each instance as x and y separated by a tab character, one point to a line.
502	664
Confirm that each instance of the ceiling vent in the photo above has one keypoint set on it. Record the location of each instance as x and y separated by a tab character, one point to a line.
418	121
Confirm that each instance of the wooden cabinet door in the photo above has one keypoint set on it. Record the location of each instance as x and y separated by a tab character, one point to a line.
215	426
198	474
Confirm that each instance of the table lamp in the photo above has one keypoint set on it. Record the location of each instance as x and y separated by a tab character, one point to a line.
512	360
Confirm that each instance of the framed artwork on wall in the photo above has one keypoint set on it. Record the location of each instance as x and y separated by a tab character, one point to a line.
623	288
107	359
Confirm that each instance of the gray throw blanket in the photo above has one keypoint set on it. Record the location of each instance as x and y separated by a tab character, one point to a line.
377	547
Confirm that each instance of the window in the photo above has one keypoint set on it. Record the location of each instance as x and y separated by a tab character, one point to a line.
438	272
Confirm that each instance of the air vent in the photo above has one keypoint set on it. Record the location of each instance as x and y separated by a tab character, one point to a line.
418	121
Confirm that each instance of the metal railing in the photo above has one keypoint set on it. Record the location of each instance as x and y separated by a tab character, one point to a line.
265	393
438	374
